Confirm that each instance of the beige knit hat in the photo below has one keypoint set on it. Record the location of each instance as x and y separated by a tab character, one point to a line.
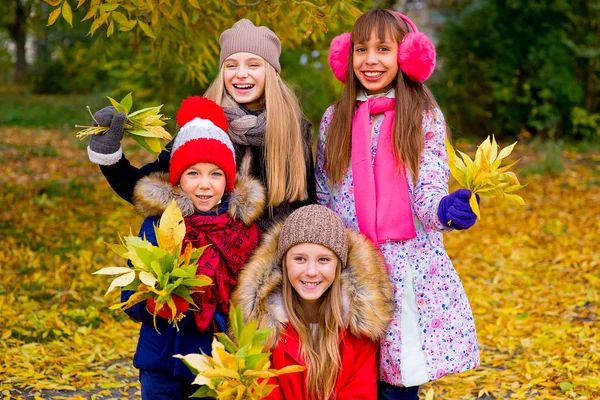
314	224
244	36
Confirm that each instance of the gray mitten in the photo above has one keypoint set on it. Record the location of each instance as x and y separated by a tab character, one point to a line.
110	142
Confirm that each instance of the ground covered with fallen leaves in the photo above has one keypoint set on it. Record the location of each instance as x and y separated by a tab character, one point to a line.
531	273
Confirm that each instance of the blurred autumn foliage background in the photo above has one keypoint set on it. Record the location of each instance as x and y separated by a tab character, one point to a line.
518	69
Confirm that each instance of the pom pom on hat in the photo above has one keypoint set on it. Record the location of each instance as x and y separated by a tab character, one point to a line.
201	107
202	138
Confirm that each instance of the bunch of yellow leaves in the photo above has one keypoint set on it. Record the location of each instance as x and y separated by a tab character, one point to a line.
145	126
239	368
159	272
484	176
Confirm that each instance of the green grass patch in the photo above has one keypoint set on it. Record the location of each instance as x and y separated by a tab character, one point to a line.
548	160
22	108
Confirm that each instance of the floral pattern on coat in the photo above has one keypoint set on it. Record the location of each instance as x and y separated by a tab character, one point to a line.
445	321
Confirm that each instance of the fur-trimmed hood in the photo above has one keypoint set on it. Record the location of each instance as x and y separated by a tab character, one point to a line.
366	288
153	193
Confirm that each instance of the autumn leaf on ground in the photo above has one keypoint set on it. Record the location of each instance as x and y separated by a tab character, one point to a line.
484	175
145	126
531	274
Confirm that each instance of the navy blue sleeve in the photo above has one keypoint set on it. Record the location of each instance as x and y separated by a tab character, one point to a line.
220	321
122	176
147	229
137	312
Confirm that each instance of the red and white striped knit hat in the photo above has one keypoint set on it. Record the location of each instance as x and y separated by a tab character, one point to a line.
202	138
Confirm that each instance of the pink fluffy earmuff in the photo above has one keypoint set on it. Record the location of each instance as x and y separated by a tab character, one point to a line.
416	54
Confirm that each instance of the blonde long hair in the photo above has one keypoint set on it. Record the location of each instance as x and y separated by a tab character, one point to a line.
412	99
285	152
321	351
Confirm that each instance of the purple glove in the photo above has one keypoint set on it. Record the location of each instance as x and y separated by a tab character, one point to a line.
455	211
110	142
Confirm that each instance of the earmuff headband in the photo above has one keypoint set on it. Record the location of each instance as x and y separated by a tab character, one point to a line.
407	20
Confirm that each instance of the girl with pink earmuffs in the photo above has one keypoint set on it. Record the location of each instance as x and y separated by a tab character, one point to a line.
382	167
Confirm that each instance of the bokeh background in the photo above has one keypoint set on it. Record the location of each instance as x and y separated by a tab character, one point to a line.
525	71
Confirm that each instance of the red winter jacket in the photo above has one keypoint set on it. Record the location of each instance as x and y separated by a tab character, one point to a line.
356	380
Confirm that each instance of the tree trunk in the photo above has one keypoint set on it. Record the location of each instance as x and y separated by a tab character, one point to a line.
592	63
17	31
589	86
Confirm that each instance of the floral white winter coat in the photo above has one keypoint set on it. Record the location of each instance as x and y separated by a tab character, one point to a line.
433	332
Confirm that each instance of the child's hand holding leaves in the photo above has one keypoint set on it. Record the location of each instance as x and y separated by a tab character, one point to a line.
484	176
145	126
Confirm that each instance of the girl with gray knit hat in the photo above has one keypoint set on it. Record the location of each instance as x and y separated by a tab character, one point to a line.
325	292
265	124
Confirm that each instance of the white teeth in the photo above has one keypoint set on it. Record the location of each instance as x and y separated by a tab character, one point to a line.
373	74
243	86
311	284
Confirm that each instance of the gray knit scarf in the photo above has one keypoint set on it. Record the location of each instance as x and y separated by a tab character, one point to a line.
244	128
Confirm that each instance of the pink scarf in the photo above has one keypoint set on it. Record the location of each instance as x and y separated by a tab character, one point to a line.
380	190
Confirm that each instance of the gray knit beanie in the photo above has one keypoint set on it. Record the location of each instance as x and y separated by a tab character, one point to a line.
245	37
314	224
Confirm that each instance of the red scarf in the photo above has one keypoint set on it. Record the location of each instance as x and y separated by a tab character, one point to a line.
231	244
381	195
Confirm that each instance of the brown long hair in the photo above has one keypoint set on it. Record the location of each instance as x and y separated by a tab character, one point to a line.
285	152
412	99
321	351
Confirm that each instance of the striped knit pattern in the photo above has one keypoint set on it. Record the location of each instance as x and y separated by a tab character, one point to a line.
202	141
201	129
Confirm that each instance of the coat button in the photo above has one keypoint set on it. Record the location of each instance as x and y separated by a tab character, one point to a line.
284	341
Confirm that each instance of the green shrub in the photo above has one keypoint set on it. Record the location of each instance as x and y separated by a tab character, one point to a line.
586	126
514	65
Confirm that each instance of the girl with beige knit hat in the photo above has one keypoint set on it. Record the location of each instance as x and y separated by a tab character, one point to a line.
325	292
265	124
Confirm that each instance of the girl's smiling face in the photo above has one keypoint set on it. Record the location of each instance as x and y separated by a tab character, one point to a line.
311	270
375	63
244	76
204	183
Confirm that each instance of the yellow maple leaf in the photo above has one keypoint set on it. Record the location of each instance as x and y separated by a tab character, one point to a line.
171	229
